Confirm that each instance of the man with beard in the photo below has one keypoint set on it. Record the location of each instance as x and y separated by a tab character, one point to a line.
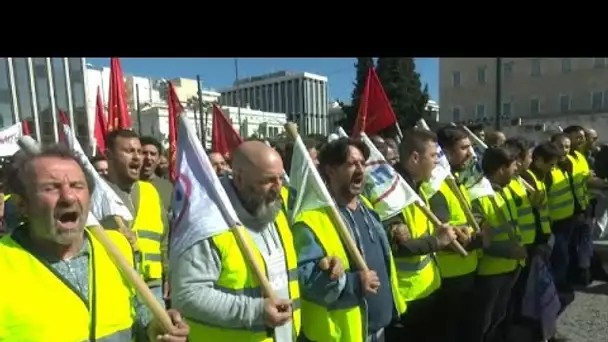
149	227
417	240
457	272
63	284
218	163
358	305
211	281
502	258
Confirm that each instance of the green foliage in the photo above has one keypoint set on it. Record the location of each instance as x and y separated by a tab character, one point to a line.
362	66
404	90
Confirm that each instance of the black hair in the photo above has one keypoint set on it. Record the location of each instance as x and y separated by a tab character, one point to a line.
336	152
546	151
519	146
495	158
574	128
97	158
119	133
559	136
148	140
287	151
448	136
21	177
415	140
476	128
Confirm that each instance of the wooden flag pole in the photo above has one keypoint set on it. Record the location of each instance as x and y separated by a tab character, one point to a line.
347	239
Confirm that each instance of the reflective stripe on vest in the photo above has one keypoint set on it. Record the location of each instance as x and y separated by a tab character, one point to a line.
236	278
40	306
344	324
501	230
525	216
580	175
150	230
418	275
543	211
450	263
561	200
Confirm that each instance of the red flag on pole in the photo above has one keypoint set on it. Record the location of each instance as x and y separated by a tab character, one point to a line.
224	138
175	109
375	111
118	112
101	125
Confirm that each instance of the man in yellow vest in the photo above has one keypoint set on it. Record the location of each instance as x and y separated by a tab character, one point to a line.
211	281
502	258
538	241
564	207
581	246
359	305
61	283
148	230
457	272
418	273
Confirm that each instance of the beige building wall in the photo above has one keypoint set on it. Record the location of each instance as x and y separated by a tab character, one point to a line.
534	89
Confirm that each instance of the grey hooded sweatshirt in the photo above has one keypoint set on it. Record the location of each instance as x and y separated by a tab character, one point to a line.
195	272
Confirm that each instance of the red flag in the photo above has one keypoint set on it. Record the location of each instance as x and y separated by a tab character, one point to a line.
224	139
63	120
375	111
101	126
25	127
175	109
118	112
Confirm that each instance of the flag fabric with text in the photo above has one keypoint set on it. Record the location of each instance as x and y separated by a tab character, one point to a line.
307	190
104	201
224	138
384	187
442	168
201	207
375	110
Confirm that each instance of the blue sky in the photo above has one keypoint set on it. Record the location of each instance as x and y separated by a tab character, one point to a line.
218	73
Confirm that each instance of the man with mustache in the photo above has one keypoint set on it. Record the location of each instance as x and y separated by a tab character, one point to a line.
358	305
218	163
63	284
147	231
211	282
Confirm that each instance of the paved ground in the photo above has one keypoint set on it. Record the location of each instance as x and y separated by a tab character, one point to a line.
586	320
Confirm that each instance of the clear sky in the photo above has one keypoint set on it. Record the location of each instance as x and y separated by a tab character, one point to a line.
219	73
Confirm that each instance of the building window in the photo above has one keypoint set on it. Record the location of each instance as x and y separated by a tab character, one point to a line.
480	111
597	100
535	67
507	69
456	114
456	79
599	62
534	106
507	109
6	97
564	103
566	65
481	74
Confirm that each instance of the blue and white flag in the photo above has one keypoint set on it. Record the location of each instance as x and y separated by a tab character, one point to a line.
104	201
201	207
442	168
540	301
306	188
384	187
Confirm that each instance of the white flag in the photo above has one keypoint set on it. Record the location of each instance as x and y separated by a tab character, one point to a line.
104	201
384	187
201	207
306	186
442	168
481	188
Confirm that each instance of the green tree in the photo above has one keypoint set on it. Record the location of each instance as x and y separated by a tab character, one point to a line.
404	90
362	66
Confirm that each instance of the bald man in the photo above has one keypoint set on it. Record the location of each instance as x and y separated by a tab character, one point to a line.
496	139
212	283
219	163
